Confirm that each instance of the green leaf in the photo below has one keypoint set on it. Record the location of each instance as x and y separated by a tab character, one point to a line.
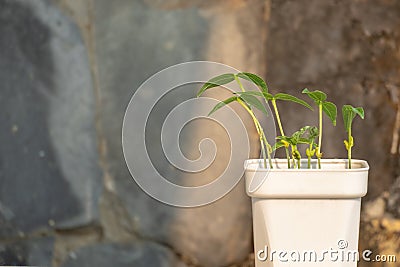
330	110
300	132
257	80
266	96
349	113
277	145
253	102
303	141
348	116
283	137
223	103
313	132
216	81
360	112
253	93
287	97
316	95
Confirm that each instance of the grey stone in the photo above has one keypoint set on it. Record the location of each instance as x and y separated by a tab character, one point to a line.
34	252
48	158
139	254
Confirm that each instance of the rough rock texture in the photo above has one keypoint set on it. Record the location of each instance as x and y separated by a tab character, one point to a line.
111	254
49	172
349	50
34	252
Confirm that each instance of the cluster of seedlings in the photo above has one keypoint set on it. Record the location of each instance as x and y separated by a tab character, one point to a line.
309	135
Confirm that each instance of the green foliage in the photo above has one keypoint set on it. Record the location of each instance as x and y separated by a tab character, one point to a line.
216	81
223	103
349	113
326	107
330	110
312	134
253	101
287	97
257	80
296	138
316	95
249	100
319	98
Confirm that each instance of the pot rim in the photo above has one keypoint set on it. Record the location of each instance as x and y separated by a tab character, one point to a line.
255	165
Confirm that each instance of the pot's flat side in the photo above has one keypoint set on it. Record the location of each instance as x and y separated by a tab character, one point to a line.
307	230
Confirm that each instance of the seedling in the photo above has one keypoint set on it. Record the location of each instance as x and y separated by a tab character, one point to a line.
247	101
294	140
270	97
349	113
310	140
323	106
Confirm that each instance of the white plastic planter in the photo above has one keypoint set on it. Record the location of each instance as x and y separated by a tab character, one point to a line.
306	217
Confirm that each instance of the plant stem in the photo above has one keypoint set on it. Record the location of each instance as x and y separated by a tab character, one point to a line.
240	83
263	139
267	144
260	133
280	128
320	135
309	156
293	159
296	156
349	150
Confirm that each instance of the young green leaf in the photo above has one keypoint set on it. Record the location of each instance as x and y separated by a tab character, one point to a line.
313	132
360	112
349	113
330	110
296	136
267	96
253	93
316	95
285	139
223	103
257	80
287	97
253	102
278	145
216	81
303	140
348	116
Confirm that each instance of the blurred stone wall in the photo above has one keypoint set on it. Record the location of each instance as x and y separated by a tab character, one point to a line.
69	68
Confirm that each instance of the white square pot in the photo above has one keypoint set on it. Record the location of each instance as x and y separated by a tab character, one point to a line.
306	217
